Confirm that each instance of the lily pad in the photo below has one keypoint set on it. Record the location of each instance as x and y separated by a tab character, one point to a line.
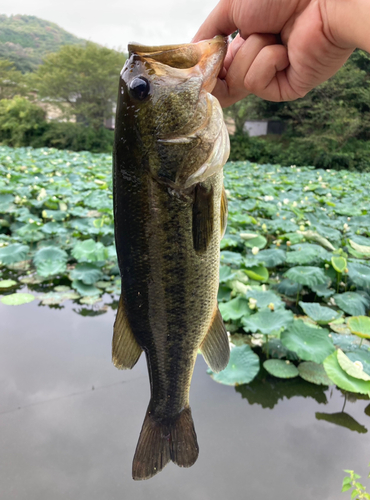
281	369
85	290
360	326
314	373
87	272
243	366
310	343
13	253
350	367
17	299
339	264
271	257
7	283
318	313
258	273
266	299
266	321
235	309
306	275
351	303
344	381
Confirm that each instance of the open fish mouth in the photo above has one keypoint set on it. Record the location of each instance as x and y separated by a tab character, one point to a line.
207	55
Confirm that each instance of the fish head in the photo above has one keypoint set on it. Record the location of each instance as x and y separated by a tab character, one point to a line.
168	123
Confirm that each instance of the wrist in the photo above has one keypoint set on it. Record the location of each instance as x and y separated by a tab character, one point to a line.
347	23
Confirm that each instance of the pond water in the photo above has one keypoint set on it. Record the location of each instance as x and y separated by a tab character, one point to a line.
69	423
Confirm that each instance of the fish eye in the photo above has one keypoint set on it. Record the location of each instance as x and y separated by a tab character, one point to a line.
139	88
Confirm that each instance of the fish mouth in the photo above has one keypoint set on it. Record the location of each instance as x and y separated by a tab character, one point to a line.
207	56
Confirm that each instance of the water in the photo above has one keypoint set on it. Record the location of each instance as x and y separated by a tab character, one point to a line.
69	424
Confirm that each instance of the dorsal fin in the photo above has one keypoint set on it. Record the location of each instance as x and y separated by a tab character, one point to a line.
125	349
215	346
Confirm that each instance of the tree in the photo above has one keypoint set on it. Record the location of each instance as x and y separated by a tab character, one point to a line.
81	81
11	80
20	121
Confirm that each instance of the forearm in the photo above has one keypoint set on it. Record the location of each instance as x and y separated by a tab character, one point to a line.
347	22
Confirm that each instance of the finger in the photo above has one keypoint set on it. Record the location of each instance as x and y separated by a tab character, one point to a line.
235	88
267	76
232	49
219	22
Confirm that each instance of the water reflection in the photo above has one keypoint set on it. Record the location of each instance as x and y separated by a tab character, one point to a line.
343	420
267	391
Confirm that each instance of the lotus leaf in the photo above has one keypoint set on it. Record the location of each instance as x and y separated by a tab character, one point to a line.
306	275
318	313
266	321
351	303
17	299
235	309
342	379
281	369
310	343
314	373
13	253
243	366
360	326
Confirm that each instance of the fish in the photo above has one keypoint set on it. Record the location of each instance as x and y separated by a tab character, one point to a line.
170	213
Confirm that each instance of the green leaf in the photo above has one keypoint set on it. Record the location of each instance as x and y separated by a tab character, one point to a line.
350	367
364	250
313	373
313	236
265	299
362	356
86	272
318	313
85	290
306	275
51	254
50	268
259	241
304	253
233	258
351	303
322	290
13	253
243	366
89	251
310	343
7	283
17	299
258	273
360	326
342	379
271	257
234	309
339	264
266	321
346	487
281	369
289	288
359	274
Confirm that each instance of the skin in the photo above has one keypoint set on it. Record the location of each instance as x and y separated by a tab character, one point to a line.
284	48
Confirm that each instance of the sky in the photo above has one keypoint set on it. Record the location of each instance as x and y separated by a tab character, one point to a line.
114	23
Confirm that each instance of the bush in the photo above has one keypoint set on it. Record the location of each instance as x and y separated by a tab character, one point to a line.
21	121
75	137
283	150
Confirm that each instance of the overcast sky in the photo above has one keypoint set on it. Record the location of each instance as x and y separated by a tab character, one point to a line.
114	23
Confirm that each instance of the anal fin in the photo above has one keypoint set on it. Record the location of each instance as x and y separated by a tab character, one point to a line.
215	346
125	349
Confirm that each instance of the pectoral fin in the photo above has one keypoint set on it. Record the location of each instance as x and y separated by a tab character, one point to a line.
202	217
215	347
224	212
125	349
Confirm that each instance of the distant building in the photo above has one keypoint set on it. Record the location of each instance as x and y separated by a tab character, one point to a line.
263	127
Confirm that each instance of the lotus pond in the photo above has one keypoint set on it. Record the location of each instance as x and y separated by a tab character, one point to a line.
294	274
295	261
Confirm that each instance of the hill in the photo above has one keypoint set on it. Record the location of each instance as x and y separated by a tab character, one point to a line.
25	40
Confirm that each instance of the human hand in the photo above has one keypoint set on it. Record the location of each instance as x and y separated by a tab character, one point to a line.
284	48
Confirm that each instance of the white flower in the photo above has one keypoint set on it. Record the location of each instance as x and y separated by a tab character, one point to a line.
295	203
345	227
285	201
329	195
306	188
359	364
252	303
255	250
271	306
268	198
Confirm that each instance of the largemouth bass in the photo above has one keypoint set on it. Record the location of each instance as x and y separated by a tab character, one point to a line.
170	213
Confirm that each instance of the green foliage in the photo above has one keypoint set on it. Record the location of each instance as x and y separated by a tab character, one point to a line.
25	40
81	81
20	121
280	369
12	82
243	366
351	482
328	128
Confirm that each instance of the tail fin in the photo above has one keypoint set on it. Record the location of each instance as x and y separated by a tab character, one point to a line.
159	442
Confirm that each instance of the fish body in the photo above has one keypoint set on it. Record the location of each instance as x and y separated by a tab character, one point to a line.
170	213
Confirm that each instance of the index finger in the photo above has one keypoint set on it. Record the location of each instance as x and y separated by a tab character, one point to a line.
219	22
